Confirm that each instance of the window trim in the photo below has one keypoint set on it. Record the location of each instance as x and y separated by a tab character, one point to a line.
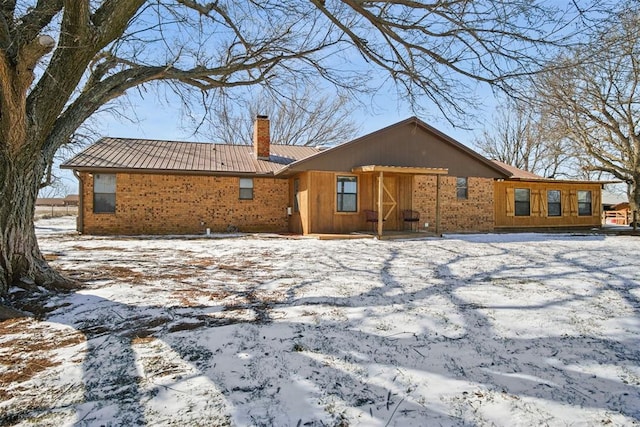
589	203
516	201
465	187
337	194
240	188
115	186
559	203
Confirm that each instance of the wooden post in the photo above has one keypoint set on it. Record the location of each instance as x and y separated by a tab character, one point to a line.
380	211
437	204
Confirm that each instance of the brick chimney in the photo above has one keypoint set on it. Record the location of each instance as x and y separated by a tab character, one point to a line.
261	139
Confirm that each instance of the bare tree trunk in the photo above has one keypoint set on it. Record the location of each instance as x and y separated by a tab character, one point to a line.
634	201
21	262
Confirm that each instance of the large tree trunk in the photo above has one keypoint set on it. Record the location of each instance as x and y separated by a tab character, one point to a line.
21	262
634	200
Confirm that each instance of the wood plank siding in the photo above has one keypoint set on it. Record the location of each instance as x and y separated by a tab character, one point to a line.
539	214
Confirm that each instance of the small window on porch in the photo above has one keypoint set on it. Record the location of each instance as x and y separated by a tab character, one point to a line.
296	190
347	194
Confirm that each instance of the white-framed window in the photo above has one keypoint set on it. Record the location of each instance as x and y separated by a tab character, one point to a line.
462	188
347	194
104	193
584	203
246	188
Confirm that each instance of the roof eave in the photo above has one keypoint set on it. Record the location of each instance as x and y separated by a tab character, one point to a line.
90	169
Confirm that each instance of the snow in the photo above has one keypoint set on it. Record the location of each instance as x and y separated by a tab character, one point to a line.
490	329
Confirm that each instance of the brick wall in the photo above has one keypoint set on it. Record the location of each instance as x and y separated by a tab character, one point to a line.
187	204
476	213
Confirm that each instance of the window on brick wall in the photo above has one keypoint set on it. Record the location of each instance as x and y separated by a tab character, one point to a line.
104	193
584	203
462	188
246	188
523	201
554	203
347	194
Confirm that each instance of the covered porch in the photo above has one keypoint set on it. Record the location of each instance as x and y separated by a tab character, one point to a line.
389	208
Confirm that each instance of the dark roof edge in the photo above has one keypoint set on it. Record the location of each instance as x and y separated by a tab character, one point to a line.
409	120
561	181
165	171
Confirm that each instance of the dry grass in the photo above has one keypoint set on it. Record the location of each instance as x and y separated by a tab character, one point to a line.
22	358
43	212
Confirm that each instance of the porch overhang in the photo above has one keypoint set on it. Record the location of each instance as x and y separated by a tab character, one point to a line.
409	170
400	169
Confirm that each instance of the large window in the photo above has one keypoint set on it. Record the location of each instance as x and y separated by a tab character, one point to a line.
246	188
554	203
104	193
523	201
347	194
462	189
584	203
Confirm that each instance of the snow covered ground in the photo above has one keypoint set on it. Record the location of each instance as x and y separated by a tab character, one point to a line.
495	329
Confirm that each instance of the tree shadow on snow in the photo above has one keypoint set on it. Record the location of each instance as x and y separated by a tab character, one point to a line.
327	369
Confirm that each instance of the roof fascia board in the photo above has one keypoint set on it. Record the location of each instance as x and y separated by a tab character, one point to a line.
400	169
166	171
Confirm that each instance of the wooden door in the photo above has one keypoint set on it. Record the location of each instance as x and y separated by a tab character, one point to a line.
389	201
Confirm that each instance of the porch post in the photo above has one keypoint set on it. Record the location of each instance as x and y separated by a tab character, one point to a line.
380	211
437	204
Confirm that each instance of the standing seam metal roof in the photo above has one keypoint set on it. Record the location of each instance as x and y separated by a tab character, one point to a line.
143	154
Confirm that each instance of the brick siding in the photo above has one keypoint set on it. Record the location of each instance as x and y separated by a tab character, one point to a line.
476	213
187	204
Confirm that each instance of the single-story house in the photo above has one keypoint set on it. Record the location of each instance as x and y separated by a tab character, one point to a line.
50	201
412	174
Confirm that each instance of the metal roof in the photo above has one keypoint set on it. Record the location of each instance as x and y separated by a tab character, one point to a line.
517	173
195	157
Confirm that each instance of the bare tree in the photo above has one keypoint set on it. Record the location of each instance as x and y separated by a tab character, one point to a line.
592	95
520	137
301	119
63	60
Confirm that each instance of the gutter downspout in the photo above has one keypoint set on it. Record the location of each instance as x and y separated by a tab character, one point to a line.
80	220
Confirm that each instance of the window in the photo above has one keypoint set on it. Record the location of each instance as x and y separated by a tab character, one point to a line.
246	188
523	201
104	193
554	204
347	194
296	190
462	188
584	203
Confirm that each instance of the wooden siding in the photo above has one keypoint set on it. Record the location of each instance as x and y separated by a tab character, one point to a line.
317	202
505	205
406	144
